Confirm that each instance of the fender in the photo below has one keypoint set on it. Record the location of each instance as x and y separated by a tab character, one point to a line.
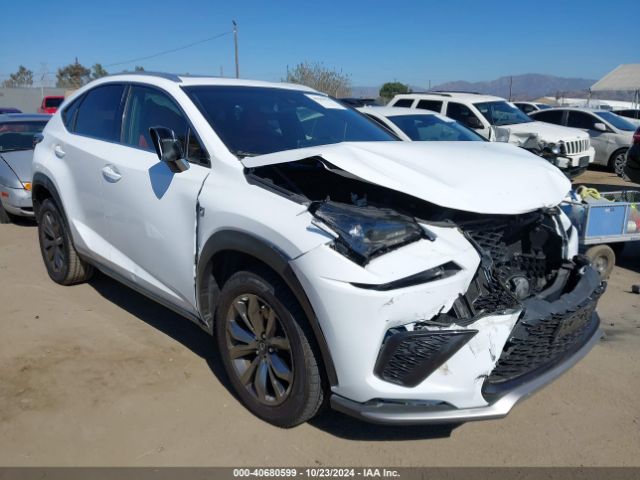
41	182
264	251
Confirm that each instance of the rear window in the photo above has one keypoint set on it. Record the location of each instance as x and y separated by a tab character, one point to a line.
53	102
549	116
19	135
100	113
403	102
433	105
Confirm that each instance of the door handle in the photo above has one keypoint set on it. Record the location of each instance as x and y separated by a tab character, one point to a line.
111	173
59	151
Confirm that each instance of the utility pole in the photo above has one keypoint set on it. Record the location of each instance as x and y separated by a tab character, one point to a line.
510	86
235	42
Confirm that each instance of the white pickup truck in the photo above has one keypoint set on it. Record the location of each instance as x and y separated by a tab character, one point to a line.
498	120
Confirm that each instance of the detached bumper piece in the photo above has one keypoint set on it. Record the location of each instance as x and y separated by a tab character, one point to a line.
407	358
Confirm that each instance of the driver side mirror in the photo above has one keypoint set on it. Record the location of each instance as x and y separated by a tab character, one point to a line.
168	149
600	127
475	123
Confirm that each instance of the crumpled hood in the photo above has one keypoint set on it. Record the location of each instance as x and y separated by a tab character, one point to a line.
21	163
548	132
482	177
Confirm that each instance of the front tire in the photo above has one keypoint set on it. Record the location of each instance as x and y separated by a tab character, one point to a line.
266	348
618	161
63	264
4	216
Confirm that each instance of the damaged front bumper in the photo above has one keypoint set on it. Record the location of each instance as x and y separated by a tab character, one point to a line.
549	337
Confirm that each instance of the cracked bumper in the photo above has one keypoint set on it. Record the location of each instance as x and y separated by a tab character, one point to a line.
398	413
17	201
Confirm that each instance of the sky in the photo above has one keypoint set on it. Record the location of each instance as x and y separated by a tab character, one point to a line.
373	42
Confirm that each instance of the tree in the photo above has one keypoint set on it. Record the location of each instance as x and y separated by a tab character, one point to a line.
391	89
22	78
98	71
139	69
73	75
319	77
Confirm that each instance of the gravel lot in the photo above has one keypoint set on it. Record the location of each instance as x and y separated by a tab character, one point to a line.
97	375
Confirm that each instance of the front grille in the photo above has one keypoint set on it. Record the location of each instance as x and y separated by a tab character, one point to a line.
540	341
577	146
513	248
406	358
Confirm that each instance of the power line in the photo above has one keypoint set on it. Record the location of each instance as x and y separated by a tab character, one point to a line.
164	52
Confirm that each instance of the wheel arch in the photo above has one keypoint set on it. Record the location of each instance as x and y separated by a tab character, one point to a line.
228	249
42	187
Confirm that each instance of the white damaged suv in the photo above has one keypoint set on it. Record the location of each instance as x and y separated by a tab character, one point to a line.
400	282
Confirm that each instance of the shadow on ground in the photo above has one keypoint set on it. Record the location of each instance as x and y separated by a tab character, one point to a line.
199	342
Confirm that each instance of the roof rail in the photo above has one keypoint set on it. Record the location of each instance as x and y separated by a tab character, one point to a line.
168	76
459	91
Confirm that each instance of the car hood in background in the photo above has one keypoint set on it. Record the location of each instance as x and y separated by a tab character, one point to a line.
20	162
548	132
482	177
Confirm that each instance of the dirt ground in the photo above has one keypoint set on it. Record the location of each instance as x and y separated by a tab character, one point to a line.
98	375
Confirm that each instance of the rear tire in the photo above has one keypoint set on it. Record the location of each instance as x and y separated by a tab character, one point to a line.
603	259
267	349
63	264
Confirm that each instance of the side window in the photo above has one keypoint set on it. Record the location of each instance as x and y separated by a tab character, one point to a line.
549	116
69	114
404	102
581	120
461	113
433	105
148	107
99	114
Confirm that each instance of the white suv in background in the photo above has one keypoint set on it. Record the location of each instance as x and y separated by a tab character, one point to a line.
407	282
498	120
611	134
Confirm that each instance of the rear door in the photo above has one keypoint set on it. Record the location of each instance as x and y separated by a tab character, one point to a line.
151	211
87	141
599	140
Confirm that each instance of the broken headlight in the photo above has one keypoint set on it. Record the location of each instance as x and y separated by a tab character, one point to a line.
366	232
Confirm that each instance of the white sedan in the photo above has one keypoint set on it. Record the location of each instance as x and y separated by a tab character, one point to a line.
413	125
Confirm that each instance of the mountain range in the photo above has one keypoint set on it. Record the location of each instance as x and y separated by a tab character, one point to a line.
528	86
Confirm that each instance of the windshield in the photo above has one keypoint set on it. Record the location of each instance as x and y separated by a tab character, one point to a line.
501	113
257	120
18	135
53	102
617	121
433	128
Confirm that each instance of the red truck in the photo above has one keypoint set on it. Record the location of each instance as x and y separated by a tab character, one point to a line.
50	104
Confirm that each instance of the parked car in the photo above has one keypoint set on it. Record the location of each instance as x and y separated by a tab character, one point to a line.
528	107
610	134
359	102
50	104
4	110
410	282
632	115
410	124
632	165
496	119
17	131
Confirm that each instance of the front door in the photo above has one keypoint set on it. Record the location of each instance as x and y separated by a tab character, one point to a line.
151	211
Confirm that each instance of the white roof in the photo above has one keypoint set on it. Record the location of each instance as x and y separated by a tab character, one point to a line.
467	97
625	77
395	111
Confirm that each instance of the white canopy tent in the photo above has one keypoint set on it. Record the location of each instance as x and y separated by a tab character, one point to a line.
624	78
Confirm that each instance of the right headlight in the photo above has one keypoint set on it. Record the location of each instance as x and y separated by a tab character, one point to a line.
366	232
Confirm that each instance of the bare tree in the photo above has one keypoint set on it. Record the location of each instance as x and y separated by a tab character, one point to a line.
319	77
22	78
